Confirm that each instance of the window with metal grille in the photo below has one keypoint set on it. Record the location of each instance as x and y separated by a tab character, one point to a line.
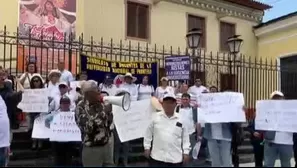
137	20
226	30
198	23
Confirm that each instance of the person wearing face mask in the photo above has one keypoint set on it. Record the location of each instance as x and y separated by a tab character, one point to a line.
198	88
278	144
145	90
166	141
108	86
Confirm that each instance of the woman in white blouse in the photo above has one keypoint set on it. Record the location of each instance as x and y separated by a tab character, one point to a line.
31	70
53	84
164	88
145	90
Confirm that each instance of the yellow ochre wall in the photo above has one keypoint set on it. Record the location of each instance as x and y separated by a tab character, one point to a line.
106	18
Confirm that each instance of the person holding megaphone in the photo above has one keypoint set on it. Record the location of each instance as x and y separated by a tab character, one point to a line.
94	118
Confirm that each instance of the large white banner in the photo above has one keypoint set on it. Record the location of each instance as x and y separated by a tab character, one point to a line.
64	128
34	101
276	115
132	124
40	131
221	107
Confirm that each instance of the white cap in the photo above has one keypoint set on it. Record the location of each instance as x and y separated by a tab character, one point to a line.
169	95
276	93
63	83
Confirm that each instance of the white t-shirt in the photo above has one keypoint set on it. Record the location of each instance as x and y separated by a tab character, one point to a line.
160	91
66	76
217	132
145	91
187	118
285	138
5	126
194	90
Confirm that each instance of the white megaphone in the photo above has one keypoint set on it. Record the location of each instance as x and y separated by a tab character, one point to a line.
122	99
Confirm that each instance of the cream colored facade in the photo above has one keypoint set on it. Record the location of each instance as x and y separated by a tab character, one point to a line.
277	39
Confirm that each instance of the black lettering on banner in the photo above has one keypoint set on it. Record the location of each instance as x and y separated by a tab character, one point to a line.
137	68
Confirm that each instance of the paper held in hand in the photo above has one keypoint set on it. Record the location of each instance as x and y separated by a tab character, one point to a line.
132	124
221	107
40	131
34	101
276	115
64	128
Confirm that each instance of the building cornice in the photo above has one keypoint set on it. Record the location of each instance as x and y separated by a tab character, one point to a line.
222	8
280	26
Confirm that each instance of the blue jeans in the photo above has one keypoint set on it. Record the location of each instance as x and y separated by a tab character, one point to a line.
274	151
3	157
220	153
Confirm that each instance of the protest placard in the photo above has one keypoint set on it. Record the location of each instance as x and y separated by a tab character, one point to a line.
34	101
221	107
132	124
64	128
40	131
276	115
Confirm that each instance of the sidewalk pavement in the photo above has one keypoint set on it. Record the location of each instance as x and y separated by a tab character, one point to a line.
277	164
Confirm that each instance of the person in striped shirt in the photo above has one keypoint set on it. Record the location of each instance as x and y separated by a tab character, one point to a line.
184	89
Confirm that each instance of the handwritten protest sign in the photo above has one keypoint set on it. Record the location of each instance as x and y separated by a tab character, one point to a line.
64	128
40	131
34	101
221	107
132	124
276	115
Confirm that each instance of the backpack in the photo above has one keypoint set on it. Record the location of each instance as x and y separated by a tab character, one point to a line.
194	110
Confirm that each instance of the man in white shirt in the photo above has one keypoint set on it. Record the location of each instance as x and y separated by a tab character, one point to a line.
184	89
169	136
278	144
66	76
198	88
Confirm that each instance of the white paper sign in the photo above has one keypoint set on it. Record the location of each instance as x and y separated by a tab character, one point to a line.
40	131
221	107
132	124
34	101
276	115
64	128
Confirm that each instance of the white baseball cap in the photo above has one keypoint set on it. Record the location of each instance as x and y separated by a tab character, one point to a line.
63	83
169	96
276	93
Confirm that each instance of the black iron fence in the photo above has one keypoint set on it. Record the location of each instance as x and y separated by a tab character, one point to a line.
255	77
